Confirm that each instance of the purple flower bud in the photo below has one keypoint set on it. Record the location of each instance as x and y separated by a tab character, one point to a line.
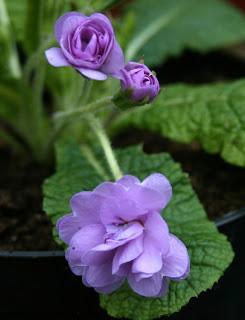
88	44
116	233
139	81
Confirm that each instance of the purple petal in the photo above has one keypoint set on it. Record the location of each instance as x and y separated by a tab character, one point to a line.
86	205
148	199
92	74
127	253
120	210
67	226
148	287
160	183
150	261
157	229
176	263
132	231
115	61
67	23
110	288
56	58
127	181
110	189
103	18
84	240
101	276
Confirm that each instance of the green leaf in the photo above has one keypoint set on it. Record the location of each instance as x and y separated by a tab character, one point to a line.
9	63
213	115
209	250
173	25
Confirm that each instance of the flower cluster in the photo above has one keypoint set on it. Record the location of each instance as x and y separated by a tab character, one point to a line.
88	44
116	233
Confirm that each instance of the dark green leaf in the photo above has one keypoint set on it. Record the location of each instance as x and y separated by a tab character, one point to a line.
170	26
213	115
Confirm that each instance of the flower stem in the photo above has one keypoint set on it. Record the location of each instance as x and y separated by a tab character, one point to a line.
106	145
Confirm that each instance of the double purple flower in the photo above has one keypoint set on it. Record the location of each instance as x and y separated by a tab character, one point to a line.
88	44
116	233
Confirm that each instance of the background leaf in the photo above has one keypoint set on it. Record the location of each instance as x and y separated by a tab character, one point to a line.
169	26
213	115
209	250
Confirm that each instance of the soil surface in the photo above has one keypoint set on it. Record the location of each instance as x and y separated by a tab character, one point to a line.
220	186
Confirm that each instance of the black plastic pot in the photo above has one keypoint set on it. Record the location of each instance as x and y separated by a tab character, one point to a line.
40	283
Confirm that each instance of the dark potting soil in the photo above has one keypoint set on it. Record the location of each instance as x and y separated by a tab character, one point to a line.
220	186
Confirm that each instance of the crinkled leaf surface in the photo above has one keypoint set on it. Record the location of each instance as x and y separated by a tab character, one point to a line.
169	26
209	250
213	115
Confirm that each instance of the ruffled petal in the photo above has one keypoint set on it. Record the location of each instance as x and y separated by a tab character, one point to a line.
120	211
161	184
176	263
67	226
114	62
150	261
92	74
56	58
67	23
83	241
131	231
101	276
86	205
148	287
127	253
110	288
127	181
157	229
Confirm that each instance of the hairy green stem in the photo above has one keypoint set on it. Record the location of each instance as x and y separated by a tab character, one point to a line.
106	146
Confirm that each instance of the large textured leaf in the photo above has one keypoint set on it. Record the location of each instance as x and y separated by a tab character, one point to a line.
166	27
210	252
213	115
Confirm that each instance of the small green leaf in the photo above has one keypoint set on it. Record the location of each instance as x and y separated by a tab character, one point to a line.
213	115
173	25
209	250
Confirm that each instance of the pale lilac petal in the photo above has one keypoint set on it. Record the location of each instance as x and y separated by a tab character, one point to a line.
86	205
157	229
141	275
164	289
85	239
148	199
92	74
176	263
110	189
150	261
130	232
97	258
125	210
110	288
56	58
160	183
67	23
115	61
103	18
148	287
127	253
67	226
127	181
101	276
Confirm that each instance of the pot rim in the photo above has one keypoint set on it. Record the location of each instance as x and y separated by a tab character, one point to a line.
219	222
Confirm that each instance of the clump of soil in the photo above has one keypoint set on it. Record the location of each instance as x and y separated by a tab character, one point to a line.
219	186
23	224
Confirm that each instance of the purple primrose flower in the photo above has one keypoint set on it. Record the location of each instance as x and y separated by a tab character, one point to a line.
116	232
88	44
140	81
